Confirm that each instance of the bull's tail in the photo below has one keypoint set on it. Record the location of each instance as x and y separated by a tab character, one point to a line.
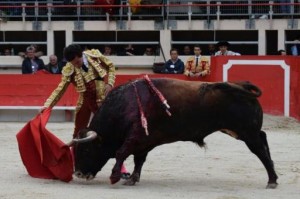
250	88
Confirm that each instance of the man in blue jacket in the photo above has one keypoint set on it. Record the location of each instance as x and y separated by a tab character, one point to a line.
174	65
31	64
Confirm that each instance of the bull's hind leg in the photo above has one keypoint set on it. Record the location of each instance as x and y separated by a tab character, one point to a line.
138	164
259	146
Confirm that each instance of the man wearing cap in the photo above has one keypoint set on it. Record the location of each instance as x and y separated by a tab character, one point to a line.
223	49
197	65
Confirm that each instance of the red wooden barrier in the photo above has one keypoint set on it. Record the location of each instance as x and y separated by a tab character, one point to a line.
277	76
33	90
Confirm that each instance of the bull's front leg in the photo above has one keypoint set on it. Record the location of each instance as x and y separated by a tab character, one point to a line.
116	171
138	164
121	155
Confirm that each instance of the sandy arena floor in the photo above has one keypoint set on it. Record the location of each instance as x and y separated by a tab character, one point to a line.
225	170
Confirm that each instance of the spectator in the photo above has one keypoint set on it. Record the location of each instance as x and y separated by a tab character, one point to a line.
148	51
223	49
174	65
128	50
187	50
260	10
285	8
107	9
197	65
295	49
63	62
6	52
31	64
134	6
69	10
282	52
53	66
107	51
211	49
150	9
36	50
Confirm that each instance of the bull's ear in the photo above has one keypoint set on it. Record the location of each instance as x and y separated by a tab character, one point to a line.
90	135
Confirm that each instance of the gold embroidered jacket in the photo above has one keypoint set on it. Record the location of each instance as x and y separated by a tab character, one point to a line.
203	66
98	66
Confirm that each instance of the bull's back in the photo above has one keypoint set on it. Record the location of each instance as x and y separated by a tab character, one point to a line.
202	108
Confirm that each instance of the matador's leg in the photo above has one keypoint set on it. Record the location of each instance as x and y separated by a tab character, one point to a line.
82	115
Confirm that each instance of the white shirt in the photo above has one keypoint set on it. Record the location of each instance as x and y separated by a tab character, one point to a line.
228	52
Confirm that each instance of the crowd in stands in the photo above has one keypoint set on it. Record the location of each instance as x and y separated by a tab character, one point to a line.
102	7
195	66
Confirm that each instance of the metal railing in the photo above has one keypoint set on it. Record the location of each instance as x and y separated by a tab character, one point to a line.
178	9
78	10
232	9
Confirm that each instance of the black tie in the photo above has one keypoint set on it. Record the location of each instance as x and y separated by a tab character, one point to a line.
84	68
196	61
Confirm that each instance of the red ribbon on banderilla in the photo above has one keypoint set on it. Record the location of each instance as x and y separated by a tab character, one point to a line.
160	96
143	118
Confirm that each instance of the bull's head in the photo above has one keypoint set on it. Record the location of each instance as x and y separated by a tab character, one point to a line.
88	154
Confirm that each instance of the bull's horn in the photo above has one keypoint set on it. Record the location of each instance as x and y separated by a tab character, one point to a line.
91	135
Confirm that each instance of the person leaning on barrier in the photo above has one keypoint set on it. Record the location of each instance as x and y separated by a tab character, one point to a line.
148	51
211	49
128	50
7	52
197	66
295	49
186	50
174	65
53	66
107	50
37	52
31	64
281	52
223	49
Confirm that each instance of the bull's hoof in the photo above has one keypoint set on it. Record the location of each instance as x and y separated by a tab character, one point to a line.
129	182
272	185
114	179
135	177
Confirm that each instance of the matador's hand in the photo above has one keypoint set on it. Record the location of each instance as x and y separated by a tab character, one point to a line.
108	88
42	109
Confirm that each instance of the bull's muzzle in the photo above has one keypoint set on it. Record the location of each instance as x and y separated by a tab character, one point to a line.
88	176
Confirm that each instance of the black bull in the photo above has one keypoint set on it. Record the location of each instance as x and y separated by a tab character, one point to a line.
198	109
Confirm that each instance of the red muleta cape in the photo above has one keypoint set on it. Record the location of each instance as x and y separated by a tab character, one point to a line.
42	153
